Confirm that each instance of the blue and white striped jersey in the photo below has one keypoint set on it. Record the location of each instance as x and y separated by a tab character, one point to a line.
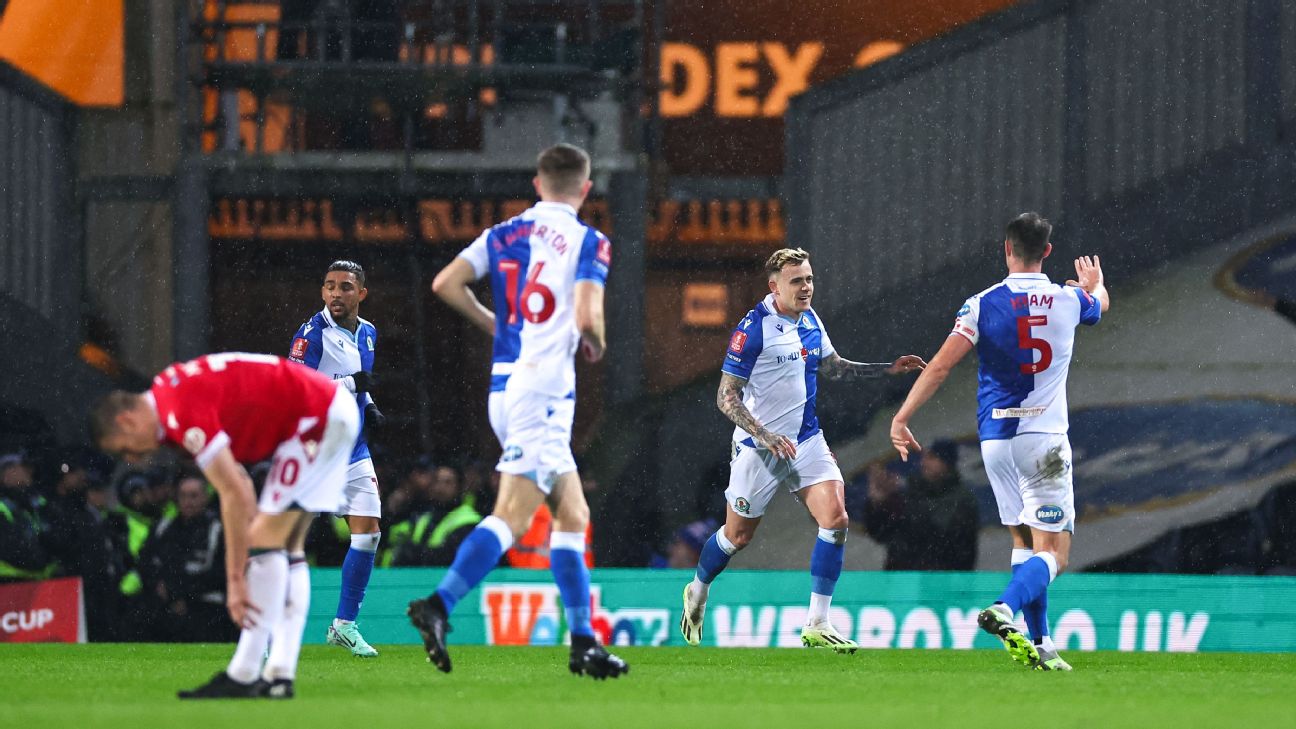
1024	329
779	357
534	261
332	350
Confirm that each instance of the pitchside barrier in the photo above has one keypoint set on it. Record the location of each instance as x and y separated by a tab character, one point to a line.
756	609
44	611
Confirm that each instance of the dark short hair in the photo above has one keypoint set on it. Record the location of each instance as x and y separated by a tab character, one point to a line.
1029	235
350	267
563	168
103	414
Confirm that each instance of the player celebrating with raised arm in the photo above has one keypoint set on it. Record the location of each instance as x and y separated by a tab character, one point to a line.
547	271
338	343
767	388
233	408
1023	330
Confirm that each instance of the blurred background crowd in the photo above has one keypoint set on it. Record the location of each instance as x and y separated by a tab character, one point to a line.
149	548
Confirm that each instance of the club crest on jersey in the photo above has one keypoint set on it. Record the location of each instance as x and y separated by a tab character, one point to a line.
737	341
299	347
742	506
1049	514
194	440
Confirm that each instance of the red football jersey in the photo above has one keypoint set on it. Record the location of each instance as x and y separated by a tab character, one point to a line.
249	402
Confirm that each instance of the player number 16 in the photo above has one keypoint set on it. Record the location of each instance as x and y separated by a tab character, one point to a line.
526	300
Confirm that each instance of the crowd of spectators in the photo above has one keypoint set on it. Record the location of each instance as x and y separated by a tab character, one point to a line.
928	520
148	546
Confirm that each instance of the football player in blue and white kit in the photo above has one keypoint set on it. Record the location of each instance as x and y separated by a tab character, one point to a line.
338	343
767	388
547	271
1023	330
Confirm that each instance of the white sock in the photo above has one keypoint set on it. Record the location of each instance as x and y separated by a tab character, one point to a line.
286	636
1051	562
366	542
1020	555
699	590
1047	644
818	608
267	587
729	547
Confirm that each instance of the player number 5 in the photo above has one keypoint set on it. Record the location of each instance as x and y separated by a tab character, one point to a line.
532	289
1026	341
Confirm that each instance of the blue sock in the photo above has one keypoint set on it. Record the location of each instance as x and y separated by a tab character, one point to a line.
1030	580
1036	614
826	562
477	556
714	557
567	562
356	569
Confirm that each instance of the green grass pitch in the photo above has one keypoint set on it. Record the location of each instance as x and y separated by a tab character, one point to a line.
529	688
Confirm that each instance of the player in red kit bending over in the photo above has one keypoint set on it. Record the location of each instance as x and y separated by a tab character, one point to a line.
233	408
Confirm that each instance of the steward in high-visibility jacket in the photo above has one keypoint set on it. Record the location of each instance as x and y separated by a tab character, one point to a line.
22	557
531	550
431	538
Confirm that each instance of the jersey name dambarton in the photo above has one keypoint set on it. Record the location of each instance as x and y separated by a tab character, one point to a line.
534	261
779	358
1024	330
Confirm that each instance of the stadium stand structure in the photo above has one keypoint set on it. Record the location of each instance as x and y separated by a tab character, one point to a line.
41	288
1145	132
39	240
395	103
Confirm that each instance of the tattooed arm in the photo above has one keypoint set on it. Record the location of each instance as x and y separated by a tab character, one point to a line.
834	367
729	400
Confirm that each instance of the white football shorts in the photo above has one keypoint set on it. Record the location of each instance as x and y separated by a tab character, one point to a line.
755	474
362	490
312	476
534	431
1030	475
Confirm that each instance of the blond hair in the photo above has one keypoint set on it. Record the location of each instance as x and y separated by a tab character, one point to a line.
785	257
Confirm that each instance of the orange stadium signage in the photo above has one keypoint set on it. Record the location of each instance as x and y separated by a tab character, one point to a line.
753	222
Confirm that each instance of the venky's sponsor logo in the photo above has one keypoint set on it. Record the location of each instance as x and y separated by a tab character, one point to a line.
1049	514
532	614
